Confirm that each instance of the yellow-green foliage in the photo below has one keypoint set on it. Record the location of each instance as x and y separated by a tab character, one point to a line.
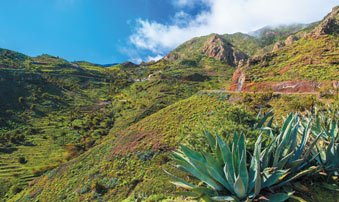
117	158
310	59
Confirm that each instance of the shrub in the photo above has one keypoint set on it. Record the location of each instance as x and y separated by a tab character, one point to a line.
73	151
98	188
15	189
41	170
22	160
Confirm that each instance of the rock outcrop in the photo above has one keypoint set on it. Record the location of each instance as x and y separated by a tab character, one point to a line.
290	40
215	47
329	25
278	45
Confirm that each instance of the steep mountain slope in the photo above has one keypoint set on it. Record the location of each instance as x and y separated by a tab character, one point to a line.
302	65
132	160
41	98
213	46
66	108
12	59
233	48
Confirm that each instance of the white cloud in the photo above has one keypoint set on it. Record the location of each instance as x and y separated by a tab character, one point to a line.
155	58
132	54
225	16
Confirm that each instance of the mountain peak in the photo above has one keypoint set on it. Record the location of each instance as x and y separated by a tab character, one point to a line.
220	49
329	25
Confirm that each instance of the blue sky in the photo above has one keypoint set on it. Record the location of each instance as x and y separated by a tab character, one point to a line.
113	31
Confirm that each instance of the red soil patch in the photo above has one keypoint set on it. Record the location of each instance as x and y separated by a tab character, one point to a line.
288	86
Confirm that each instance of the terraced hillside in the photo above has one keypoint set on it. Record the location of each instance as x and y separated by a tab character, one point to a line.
70	107
124	164
129	164
300	64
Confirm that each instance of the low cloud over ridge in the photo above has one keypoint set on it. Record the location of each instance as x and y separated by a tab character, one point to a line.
224	16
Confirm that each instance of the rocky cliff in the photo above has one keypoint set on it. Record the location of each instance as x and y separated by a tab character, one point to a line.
212	46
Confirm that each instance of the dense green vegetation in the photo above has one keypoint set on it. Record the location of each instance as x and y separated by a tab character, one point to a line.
55	110
310	59
77	131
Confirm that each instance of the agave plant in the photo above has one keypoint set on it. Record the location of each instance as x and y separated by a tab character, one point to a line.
261	119
289	150
225	173
326	152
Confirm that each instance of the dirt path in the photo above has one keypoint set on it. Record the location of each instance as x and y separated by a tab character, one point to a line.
274	93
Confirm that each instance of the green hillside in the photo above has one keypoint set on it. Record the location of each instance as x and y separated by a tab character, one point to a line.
70	107
125	165
77	131
311	59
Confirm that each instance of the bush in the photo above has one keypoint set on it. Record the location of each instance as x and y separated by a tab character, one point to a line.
43	169
98	188
22	160
15	189
73	151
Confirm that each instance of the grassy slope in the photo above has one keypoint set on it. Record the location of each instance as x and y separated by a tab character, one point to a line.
42	98
117	158
60	93
130	164
311	59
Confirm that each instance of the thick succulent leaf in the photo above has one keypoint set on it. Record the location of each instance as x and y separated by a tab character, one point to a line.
279	197
293	139
254	171
229	178
258	183
199	170
300	174
270	122
296	198
310	148
274	178
227	156
211	140
211	161
218	154
204	175
259	115
204	190
216	172
243	173
242	146
287	122
334	130
284	160
263	120
223	198
239	188
236	153
192	154
295	164
182	182
302	145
